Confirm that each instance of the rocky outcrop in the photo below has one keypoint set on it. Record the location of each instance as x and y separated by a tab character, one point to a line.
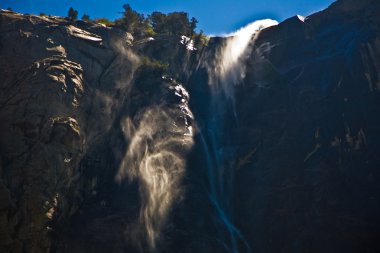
287	163
60	90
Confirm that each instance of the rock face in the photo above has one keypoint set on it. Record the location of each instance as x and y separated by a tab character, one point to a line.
309	133
101	151
61	88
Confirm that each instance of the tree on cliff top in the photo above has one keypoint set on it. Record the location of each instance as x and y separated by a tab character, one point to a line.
158	22
72	14
193	25
175	23
86	17
104	21
131	20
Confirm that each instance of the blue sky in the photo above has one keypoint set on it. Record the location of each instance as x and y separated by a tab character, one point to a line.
214	16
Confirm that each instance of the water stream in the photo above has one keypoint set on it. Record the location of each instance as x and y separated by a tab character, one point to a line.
227	71
160	138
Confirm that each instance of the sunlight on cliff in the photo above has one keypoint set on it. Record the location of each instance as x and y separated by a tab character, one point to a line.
156	157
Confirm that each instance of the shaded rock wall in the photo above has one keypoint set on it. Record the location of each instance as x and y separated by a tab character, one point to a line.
299	145
309	134
307	130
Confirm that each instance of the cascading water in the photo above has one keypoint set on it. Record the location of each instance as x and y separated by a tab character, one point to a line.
156	157
160	137
227	71
229	67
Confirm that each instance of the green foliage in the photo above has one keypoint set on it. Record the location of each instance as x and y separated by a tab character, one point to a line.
200	39
157	23
42	14
86	17
154	64
104	21
131	21
150	73
175	23
149	31
178	23
193	25
72	14
135	23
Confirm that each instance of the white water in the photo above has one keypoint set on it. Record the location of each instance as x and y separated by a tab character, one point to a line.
160	138
156	157
230	67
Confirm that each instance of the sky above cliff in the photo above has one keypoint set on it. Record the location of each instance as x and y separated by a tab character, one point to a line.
214	16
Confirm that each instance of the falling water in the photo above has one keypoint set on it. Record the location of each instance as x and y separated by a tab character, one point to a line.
230	67
228	70
160	138
156	157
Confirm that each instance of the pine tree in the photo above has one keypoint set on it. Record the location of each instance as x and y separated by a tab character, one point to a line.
193	25
72	14
86	17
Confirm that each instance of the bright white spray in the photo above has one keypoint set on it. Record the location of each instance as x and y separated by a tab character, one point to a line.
230	67
160	139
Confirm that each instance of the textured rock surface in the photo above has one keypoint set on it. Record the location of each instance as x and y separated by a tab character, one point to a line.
309	134
60	89
300	145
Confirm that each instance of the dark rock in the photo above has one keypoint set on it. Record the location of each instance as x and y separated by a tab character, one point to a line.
294	154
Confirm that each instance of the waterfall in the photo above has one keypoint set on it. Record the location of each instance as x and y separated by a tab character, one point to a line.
160	138
159	141
227	70
229	67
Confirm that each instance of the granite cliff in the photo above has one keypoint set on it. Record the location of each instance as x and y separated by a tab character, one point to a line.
105	149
